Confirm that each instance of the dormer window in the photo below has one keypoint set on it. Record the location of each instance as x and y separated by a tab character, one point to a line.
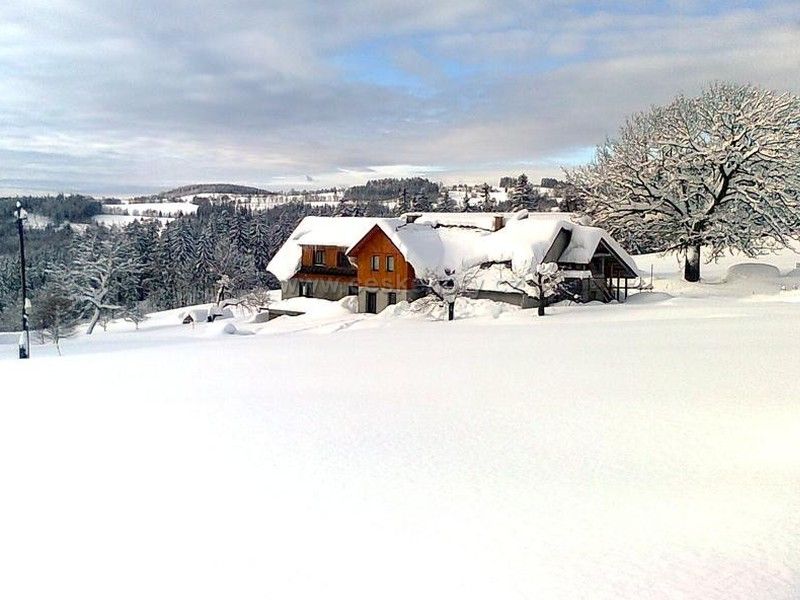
319	257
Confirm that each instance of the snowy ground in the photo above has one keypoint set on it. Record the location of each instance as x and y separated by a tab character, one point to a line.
645	450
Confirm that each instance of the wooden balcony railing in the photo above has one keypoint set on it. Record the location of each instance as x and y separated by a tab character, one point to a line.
349	271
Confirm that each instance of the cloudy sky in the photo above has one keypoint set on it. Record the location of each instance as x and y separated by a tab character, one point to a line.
120	97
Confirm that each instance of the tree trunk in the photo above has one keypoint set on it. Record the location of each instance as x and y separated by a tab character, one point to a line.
691	267
540	301
93	322
451	311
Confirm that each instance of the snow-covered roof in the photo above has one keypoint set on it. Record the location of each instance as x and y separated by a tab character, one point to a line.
317	231
436	241
456	241
480	220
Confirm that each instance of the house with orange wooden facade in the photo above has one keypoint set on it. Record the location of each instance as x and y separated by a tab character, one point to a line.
313	262
383	261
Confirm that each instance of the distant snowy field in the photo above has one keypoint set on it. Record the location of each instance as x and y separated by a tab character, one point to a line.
123	214
645	450
122	220
162	208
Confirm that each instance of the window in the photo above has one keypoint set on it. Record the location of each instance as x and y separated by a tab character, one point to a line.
319	257
391	298
390	263
305	289
342	261
376	263
352	290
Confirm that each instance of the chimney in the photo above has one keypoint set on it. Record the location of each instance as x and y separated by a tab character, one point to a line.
499	223
411	217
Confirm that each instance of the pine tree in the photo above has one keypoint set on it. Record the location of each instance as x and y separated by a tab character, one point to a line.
445	203
143	237
204	266
402	205
465	205
183	251
345	208
261	245
522	194
240	231
487	202
55	312
421	203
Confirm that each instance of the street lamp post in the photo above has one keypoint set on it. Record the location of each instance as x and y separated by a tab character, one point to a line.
25	337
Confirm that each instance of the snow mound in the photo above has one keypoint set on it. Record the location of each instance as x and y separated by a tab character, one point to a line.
751	272
648	297
317	306
788	296
430	309
9	337
467	308
409	310
793	276
349	303
227	328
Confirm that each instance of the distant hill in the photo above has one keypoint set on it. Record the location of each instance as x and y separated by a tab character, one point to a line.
382	190
206	188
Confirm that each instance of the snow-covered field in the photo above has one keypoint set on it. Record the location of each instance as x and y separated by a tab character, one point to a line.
163	209
125	213
644	450
122	220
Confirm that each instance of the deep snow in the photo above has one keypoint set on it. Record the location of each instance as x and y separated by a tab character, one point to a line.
646	450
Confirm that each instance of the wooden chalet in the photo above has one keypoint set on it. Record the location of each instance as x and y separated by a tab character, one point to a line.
381	260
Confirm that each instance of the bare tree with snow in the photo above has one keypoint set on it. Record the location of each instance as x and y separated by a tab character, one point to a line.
539	282
136	313
447	284
719	171
100	268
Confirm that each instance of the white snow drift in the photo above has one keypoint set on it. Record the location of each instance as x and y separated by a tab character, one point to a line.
642	450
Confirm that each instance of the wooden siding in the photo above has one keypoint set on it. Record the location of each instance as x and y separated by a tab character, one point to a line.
330	270
375	243
331	254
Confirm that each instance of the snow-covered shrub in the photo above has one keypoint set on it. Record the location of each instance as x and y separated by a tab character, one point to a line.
537	281
446	284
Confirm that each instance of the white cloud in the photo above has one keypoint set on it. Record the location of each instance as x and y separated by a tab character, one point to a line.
104	94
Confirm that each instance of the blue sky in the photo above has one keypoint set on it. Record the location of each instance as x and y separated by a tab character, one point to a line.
114	97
